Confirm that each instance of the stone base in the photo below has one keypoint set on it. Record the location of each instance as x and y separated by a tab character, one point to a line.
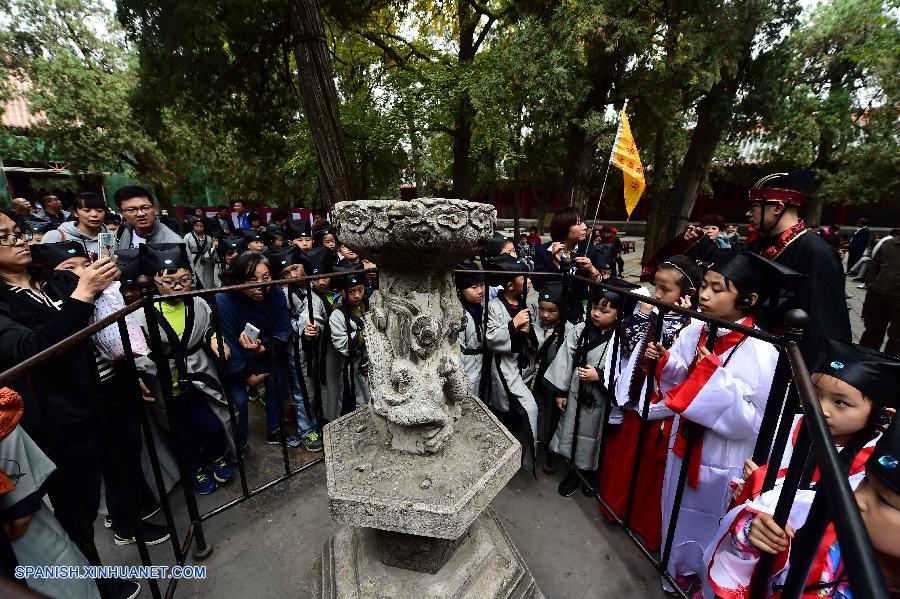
485	566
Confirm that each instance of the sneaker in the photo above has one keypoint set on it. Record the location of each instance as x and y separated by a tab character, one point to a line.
569	484
154	534
313	443
222	472
107	522
861	286
274	438
123	589
203	483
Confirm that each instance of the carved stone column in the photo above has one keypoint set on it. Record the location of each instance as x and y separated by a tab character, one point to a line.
413	473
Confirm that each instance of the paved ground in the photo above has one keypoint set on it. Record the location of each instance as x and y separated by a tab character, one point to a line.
269	545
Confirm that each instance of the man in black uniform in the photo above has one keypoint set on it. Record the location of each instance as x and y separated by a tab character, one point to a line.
780	235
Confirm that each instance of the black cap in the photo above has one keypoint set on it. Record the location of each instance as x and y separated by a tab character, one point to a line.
282	258
319	235
298	228
190	219
38	226
163	256
754	274
350	277
130	265
507	263
251	235
465	280
616	299
871	372
51	255
230	243
494	245
552	292
317	261
885	460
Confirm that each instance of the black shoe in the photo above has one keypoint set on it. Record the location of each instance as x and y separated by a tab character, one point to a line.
123	589
569	484
587	491
548	466
154	534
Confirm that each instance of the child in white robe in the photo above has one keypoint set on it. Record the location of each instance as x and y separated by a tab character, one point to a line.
718	390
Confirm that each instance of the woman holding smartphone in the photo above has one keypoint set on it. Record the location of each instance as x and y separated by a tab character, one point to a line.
256	325
89	211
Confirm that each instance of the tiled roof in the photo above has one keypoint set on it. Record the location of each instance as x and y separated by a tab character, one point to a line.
15	112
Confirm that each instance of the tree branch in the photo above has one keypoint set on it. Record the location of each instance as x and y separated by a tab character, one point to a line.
483	34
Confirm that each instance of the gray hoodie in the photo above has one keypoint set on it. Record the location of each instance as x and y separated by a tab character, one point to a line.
159	234
69	232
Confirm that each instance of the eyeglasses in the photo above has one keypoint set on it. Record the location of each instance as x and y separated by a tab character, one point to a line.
137	209
183	283
11	239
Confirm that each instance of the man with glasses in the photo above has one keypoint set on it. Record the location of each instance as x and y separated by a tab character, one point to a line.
136	205
780	235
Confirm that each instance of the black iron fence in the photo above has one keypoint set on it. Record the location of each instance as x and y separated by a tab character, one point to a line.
791	389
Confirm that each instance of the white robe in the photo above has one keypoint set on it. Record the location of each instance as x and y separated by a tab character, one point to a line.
203	259
728	402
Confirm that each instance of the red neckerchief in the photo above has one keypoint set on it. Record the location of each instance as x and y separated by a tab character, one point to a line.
785	239
679	448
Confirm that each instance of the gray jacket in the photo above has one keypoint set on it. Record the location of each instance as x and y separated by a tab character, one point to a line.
69	232
159	234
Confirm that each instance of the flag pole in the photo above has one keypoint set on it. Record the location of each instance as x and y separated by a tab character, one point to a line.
603	186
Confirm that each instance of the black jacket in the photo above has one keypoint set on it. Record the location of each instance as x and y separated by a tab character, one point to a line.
543	262
57	396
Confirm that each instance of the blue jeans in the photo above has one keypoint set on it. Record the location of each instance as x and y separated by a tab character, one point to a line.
237	389
305	425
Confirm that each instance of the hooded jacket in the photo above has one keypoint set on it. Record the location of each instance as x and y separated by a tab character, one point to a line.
69	232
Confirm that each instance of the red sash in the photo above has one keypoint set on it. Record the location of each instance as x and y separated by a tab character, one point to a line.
680	396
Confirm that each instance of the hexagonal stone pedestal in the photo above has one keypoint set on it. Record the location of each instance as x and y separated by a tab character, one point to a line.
486	565
441	540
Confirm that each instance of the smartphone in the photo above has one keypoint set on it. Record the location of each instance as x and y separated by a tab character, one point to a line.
107	245
251	332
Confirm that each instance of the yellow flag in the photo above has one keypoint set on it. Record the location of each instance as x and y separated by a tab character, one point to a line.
625	156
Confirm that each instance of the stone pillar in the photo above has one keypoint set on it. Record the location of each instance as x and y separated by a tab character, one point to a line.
413	473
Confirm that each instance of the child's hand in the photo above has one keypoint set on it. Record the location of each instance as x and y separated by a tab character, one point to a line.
588	373
310	330
702	352
145	392
561	402
256	379
737	492
14	529
646	309
214	346
767	536
684	302
522	321
749	467
655	351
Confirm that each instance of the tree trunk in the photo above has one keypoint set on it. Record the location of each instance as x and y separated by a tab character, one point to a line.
462	146
320	101
670	216
578	168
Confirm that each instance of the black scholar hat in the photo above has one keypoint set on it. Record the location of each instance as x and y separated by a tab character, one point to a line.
51	255
754	274
506	263
464	280
38	226
552	292
251	235
345	278
282	258
130	265
298	228
318	261
871	372
230	243
163	256
885	460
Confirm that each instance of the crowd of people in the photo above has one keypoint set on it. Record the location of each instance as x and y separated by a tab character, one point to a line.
580	374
